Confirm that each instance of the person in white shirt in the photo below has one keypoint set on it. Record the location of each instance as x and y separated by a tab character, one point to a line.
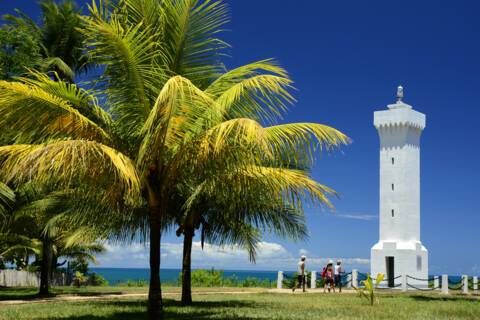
338	271
301	274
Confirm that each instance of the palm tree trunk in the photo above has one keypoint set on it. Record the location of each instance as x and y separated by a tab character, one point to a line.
155	291
187	266
45	267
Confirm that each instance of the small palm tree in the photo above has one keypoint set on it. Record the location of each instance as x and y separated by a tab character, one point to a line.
369	291
38	224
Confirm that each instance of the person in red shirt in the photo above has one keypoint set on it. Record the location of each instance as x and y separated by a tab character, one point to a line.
328	277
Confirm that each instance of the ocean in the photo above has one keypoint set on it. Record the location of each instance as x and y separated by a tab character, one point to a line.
116	275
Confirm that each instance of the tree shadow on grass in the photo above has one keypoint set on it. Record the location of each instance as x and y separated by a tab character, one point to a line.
215	304
172	310
17	293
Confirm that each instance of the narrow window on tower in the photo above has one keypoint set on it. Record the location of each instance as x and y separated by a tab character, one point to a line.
419	263
393	160
393	213
393	187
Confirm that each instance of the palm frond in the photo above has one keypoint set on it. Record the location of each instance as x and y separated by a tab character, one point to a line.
191	30
39	115
131	78
180	111
70	163
261	97
285	188
224	231
257	90
81	99
293	143
7	198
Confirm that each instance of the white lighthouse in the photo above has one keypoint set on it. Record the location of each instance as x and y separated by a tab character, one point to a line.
399	250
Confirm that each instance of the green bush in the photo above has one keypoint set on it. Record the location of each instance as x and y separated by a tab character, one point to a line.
217	278
96	280
207	278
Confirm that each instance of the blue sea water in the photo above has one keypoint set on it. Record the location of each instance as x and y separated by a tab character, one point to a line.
116	275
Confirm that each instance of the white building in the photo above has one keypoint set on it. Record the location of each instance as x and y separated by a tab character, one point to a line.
399	249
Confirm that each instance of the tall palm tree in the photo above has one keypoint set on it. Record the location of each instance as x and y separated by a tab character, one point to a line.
271	191
63	47
172	115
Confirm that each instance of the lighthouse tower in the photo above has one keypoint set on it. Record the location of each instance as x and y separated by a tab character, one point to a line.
399	250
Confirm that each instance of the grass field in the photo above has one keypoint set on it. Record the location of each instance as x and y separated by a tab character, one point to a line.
251	305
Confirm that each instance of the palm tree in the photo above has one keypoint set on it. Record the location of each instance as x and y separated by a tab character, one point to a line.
39	223
262	192
161	128
62	46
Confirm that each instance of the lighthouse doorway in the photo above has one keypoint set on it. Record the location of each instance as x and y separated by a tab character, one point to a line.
390	262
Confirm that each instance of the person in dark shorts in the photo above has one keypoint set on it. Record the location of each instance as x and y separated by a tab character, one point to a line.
300	274
338	271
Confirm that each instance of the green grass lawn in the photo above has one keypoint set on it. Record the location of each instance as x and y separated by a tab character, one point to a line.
257	306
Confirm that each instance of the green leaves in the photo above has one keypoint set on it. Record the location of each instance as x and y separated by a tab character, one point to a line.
70	163
37	111
7	198
369	291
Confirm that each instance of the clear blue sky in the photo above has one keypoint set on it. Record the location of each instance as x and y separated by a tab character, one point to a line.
347	58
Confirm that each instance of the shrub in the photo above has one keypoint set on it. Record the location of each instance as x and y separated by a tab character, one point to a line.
96	280
207	278
80	279
216	278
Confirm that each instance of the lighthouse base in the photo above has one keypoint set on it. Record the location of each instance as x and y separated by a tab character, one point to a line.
396	258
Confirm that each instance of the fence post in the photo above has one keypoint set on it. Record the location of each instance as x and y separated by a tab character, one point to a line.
349	280
280	280
404	283
313	280
475	283
444	284
355	278
436	282
465	284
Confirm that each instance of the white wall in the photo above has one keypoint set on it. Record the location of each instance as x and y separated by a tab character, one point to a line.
14	278
399	130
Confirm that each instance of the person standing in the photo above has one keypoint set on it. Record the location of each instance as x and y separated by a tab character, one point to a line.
338	271
301	274
328	277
